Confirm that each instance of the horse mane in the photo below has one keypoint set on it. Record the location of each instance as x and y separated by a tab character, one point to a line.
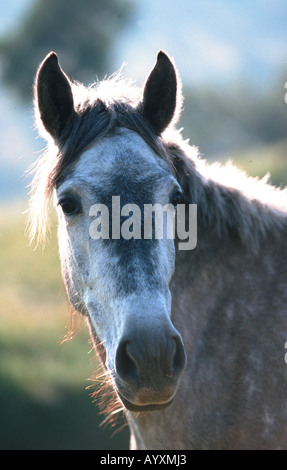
228	200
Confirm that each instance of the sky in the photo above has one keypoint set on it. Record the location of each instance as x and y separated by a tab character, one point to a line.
11	12
210	40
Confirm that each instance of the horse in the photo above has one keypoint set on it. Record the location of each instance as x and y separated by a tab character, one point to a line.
191	337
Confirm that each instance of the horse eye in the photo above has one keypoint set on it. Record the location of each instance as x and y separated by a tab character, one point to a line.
176	197
69	206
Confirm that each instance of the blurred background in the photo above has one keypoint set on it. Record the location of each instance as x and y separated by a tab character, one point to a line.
232	58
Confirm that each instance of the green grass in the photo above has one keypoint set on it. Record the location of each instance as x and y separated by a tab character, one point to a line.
44	403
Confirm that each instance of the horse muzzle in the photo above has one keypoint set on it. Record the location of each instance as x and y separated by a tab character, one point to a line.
147	368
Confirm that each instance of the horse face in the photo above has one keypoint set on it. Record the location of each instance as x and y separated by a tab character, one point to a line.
119	279
118	273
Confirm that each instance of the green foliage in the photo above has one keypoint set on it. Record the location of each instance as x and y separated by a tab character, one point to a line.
264	159
82	32
229	120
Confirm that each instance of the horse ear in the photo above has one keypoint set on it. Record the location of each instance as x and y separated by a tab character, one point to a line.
53	96
159	96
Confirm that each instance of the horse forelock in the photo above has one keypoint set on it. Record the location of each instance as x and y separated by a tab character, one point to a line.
100	109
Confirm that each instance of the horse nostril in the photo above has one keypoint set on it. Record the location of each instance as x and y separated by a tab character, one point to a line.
134	363
174	358
126	365
179	357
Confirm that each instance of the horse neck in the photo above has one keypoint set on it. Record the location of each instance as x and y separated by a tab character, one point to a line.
234	233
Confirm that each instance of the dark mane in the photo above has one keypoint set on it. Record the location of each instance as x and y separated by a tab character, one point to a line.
96	120
228	200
